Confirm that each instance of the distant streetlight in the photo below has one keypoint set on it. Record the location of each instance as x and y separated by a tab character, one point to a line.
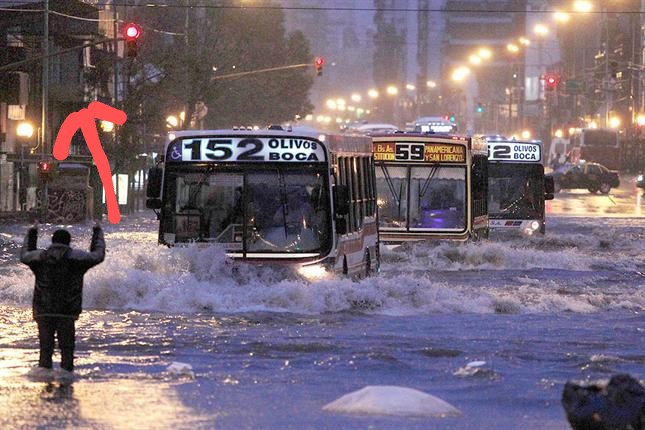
524	41
592	124
460	73
614	122
392	90
340	102
561	17
331	104
25	129
485	53
431	84
372	93
309	117
541	29
172	121
582	6
356	97
351	108
107	126
526	134
640	120
410	87
572	131
513	48
559	133
475	60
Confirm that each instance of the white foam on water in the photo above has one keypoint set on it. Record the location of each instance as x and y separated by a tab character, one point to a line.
391	400
139	274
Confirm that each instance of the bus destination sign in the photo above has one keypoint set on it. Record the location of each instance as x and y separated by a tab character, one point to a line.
246	149
420	152
519	152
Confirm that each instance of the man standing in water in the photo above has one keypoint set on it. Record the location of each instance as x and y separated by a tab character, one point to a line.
58	290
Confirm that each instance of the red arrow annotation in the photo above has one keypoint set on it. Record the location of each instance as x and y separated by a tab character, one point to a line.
85	120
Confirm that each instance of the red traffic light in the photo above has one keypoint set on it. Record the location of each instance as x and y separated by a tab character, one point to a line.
45	166
551	81
318	64
132	31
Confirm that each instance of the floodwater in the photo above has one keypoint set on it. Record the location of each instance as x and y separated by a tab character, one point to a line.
269	350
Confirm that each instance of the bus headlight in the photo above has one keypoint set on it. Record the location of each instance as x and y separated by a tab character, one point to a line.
535	225
313	272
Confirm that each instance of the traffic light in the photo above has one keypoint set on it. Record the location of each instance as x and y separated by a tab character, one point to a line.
479	108
551	82
132	33
452	117
45	168
318	64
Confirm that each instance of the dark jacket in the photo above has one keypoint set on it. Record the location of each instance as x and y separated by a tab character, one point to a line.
59	273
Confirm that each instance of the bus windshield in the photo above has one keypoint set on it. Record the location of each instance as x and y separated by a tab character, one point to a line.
281	210
437	197
515	191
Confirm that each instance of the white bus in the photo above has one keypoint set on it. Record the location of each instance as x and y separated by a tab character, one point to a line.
517	187
430	186
271	196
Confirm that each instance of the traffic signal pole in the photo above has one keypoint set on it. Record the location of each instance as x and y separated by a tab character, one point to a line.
45	79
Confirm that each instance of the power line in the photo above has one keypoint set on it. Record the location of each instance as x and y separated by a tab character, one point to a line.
356	9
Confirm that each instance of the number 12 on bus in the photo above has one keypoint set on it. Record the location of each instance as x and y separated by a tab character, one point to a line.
271	196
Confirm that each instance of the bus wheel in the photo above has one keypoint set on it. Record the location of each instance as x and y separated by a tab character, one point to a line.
605	188
368	264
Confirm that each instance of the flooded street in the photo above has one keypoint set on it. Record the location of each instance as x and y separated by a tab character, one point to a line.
268	350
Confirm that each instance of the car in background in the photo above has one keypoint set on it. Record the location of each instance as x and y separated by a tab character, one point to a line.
373	128
591	176
640	181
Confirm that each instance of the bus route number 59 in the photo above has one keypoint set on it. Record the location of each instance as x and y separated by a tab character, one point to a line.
409	151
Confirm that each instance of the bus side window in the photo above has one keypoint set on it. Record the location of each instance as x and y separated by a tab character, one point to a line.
358	187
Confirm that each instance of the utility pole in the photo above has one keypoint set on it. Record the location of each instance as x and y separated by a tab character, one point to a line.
45	79
422	56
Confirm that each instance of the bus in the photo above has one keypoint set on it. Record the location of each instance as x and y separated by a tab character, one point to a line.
268	196
435	124
517	187
430	186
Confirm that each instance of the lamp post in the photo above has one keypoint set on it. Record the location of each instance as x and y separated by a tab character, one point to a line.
24	131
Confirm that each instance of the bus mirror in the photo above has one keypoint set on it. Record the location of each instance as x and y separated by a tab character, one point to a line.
153	203
341	200
549	188
153	190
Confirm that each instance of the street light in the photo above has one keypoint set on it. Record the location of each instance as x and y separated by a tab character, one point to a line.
172	121
410	87
431	84
485	53
475	60
356	97
541	29
512	48
372	93
331	104
460	73
559	133
526	134
107	126
392	90
614	122
640	120
582	6
561	17
25	129
524	41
